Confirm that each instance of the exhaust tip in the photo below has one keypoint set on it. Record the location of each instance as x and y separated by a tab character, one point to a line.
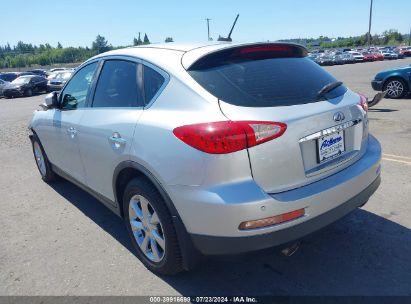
290	250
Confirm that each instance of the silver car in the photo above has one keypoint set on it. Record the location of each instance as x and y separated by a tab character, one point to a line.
210	149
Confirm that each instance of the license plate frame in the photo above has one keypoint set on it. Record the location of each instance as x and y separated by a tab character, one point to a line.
330	146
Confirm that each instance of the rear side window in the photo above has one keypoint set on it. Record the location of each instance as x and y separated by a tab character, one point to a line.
117	85
261	81
152	83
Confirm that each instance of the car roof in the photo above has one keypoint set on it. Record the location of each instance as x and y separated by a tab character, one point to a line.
28	76
170	56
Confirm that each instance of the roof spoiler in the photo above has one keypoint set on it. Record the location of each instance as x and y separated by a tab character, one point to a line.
249	52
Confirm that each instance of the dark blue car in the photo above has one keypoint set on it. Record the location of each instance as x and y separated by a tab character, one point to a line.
396	81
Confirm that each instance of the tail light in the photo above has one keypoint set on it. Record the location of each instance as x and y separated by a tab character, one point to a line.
363	102
223	137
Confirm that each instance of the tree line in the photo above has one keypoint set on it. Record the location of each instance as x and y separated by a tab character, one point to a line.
27	54
391	37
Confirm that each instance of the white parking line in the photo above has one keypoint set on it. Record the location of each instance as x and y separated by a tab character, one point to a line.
396	156
397	160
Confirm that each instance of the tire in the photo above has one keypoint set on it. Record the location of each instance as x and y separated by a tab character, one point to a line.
42	162
165	259
28	93
396	88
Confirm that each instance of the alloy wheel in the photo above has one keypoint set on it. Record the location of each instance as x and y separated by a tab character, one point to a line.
147	228
38	154
395	88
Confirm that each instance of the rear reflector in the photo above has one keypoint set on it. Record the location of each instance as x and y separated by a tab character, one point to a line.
223	137
274	220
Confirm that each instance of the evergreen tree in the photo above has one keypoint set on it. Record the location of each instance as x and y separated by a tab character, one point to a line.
146	40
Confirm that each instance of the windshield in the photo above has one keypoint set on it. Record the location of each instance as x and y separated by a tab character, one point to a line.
266	83
63	76
21	80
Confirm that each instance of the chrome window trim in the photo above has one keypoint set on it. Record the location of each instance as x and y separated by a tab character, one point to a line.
143	62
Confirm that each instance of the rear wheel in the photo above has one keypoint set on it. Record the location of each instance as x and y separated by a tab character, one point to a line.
150	227
396	88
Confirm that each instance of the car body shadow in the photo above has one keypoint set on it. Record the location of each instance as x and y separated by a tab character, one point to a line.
361	254
382	110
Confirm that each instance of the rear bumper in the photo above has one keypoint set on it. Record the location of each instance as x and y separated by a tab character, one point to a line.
54	87
211	245
377	85
212	214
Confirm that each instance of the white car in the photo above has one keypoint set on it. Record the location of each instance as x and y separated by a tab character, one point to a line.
357	56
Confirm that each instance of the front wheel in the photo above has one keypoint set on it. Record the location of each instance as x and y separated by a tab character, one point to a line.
150	227
395	88
42	161
28	93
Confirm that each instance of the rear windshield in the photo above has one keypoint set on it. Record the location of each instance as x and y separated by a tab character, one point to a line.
266	82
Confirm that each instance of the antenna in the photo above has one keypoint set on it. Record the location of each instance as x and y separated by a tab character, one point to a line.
229	35
208	29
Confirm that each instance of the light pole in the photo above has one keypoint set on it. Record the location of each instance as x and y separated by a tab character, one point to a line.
369	26
208	28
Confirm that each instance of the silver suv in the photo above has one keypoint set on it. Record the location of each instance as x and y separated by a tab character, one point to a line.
210	149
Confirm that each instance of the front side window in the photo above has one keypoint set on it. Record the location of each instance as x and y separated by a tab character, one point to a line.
117	86
75	93
152	83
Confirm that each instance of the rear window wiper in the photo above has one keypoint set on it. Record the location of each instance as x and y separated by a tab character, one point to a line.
329	87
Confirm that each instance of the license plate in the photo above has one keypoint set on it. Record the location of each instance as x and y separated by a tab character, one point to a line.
330	146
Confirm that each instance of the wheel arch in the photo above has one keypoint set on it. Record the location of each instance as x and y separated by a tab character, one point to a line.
128	170
397	76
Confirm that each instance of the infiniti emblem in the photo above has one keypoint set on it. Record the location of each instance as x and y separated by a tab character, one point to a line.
339	116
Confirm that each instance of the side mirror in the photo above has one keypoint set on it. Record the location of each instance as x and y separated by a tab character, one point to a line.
51	100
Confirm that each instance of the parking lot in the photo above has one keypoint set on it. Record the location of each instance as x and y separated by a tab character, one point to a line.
58	240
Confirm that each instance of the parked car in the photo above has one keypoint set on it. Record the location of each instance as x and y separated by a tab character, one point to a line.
25	86
218	149
57	70
39	72
396	81
325	59
58	82
337	59
348	58
405	51
368	57
357	56
378	56
387	54
3	84
10	76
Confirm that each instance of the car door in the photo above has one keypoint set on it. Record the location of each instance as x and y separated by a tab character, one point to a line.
60	135
106	130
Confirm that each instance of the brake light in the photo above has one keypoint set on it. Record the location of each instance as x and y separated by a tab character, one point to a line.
363	102
223	137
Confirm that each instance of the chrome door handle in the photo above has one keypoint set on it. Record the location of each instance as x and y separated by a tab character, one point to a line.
117	140
72	132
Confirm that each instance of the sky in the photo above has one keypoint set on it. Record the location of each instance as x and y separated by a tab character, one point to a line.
77	22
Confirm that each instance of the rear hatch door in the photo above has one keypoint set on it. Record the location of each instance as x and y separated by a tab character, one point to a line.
276	83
